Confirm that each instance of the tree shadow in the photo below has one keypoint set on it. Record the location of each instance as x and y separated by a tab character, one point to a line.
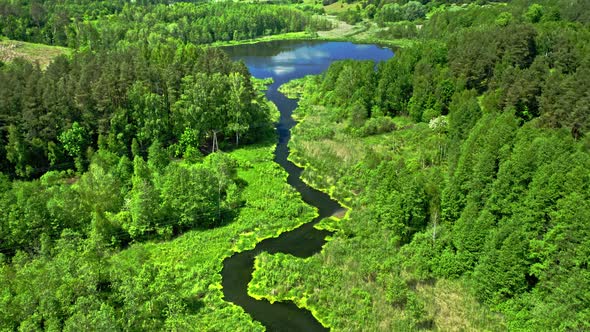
193	304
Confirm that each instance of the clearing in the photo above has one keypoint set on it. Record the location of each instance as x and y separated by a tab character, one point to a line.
44	54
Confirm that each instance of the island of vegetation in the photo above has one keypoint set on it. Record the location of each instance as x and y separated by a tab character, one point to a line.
464	162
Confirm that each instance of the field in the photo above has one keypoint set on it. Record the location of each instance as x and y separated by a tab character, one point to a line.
338	7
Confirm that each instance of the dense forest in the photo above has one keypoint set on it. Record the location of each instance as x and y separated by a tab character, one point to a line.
464	161
120	101
111	24
106	160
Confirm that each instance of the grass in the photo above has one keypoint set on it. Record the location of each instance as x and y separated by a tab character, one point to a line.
341	29
283	36
332	285
294	88
363	32
43	54
455	309
339	7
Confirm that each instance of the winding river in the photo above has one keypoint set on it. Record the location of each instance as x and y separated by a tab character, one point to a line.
284	61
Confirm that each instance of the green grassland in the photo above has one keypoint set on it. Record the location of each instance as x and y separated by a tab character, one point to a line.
339	7
302	35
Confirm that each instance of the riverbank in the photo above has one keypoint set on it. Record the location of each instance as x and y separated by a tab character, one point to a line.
361	280
304	242
294	90
196	258
362	33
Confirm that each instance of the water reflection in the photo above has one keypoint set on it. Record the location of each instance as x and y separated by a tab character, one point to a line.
286	60
303	53
282	70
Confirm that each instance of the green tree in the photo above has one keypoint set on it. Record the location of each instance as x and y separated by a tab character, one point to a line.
190	196
504	19
239	105
534	13
75	141
143	203
16	152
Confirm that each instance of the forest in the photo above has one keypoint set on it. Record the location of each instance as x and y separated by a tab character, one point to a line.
107	174
463	161
111	24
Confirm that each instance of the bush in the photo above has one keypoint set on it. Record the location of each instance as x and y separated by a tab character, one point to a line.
379	125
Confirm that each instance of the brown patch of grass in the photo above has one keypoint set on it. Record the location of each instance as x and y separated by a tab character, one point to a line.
341	29
346	152
349	153
340	213
455	309
43	54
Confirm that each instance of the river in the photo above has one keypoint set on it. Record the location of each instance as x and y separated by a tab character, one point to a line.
285	61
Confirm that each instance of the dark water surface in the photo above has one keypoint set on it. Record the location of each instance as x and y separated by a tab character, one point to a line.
284	61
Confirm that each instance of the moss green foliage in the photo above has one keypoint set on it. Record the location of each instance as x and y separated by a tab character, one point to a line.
295	88
393	12
466	177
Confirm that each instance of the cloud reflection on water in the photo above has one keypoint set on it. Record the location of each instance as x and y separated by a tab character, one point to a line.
283	70
303	53
286	62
